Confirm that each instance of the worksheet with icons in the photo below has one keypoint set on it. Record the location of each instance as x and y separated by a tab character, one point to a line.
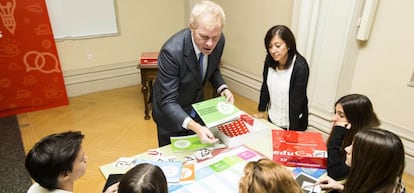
221	173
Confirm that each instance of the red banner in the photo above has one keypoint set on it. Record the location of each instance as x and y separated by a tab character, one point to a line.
30	74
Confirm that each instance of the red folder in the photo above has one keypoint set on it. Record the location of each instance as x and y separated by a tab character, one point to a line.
149	58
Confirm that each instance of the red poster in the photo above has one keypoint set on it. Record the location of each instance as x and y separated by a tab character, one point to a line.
299	149
30	73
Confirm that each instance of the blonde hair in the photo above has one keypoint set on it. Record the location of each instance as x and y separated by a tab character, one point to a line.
265	176
207	8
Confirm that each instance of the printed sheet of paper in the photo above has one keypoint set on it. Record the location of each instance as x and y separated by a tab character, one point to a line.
216	111
187	143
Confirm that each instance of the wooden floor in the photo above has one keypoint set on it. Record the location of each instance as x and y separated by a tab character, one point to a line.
114	126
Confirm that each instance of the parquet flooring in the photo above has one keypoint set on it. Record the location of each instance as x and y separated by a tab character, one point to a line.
114	126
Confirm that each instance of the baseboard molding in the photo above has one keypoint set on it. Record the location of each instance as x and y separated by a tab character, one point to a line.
243	83
319	119
106	77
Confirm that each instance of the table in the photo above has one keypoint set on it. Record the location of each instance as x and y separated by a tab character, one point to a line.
226	178
263	146
148	75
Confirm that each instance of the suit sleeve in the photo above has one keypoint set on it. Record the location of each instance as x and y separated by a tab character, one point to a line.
216	78
337	169
168	75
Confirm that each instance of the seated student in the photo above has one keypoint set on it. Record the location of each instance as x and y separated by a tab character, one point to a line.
376	159
353	113
143	178
56	161
265	176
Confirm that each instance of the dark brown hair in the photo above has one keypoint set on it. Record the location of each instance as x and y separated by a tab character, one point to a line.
287	36
52	156
143	178
360	113
377	162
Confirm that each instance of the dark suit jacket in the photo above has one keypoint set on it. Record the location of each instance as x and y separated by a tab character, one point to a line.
298	99
178	83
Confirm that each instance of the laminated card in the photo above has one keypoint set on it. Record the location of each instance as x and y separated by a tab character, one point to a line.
216	111
187	143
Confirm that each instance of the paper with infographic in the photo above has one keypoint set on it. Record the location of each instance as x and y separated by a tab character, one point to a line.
222	173
216	111
187	143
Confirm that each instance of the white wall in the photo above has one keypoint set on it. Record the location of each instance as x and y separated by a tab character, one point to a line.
96	64
384	64
143	25
383	69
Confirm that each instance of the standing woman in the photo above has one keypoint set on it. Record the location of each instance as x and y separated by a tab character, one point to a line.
285	79
353	112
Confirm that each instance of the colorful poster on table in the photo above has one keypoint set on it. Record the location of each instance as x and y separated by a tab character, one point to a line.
223	170
30	73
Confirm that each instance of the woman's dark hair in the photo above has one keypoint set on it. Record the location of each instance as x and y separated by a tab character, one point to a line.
52	156
377	162
287	36
143	178
360	113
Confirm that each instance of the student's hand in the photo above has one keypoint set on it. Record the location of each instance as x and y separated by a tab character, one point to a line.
259	115
328	184
229	96
113	188
342	124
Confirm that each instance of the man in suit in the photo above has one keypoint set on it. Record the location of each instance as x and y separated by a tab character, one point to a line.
181	78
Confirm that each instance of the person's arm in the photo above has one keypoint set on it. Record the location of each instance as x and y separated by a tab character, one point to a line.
169	81
205	135
297	93
264	98
328	184
228	94
337	169
216	77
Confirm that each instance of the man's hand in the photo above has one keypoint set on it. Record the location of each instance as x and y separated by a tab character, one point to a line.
229	96
205	135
